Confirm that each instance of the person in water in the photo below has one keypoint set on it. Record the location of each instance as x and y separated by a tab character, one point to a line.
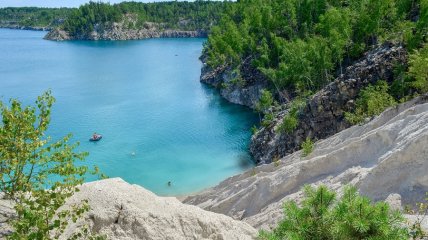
169	183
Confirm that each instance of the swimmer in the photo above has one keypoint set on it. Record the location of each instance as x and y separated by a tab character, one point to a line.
169	183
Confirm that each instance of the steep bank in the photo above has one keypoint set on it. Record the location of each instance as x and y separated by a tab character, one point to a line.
117	31
385	156
323	114
122	211
243	88
125	211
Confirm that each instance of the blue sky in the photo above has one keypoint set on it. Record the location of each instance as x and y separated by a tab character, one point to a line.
54	3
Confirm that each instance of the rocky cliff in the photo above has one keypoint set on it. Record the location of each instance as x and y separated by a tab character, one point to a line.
386	156
120	210
240	87
323	114
121	31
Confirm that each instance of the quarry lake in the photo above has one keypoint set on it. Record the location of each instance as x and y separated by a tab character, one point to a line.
158	122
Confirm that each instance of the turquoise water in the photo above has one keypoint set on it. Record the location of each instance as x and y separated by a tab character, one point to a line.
159	123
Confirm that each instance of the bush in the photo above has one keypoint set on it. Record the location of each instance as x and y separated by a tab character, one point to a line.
290	121
267	119
254	129
322	216
265	101
372	101
37	174
307	147
418	69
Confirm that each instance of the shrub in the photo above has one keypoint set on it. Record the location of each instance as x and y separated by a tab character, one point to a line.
372	101
421	212
267	119
290	121
307	147
37	174
418	69
265	101
322	216
254	129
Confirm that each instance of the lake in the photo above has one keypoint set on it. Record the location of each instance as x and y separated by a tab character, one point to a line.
158	122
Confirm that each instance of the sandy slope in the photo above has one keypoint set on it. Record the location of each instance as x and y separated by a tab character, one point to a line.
387	155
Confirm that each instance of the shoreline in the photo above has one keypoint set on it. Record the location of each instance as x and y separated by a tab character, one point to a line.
27	28
117	33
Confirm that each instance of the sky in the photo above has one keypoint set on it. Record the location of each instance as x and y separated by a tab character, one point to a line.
55	3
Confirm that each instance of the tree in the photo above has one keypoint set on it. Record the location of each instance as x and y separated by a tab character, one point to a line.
371	101
418	69
36	173
265	101
323	216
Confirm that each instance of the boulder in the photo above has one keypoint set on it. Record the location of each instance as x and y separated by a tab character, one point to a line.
124	211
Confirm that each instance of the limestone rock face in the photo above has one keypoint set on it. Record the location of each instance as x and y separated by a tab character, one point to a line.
385	156
323	114
122	31
243	90
57	35
124	211
7	212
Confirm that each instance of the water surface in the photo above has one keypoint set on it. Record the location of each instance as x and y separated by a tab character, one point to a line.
159	123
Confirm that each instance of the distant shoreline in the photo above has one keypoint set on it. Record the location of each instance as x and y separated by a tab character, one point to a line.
45	29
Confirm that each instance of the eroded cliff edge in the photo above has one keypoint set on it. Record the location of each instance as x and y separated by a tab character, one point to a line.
121	31
123	211
244	89
386	156
324	113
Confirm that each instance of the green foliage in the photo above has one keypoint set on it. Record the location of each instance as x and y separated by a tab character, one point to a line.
168	15
263	107
32	16
276	161
401	87
37	173
372	101
418	69
290	121
323	216
267	119
300	44
82	20
307	147
421	212
419	29
265	101
254	129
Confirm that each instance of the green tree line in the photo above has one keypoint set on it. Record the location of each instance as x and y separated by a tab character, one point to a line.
173	15
33	16
300	45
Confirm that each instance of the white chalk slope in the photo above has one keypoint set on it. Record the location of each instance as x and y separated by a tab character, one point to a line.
387	155
124	211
